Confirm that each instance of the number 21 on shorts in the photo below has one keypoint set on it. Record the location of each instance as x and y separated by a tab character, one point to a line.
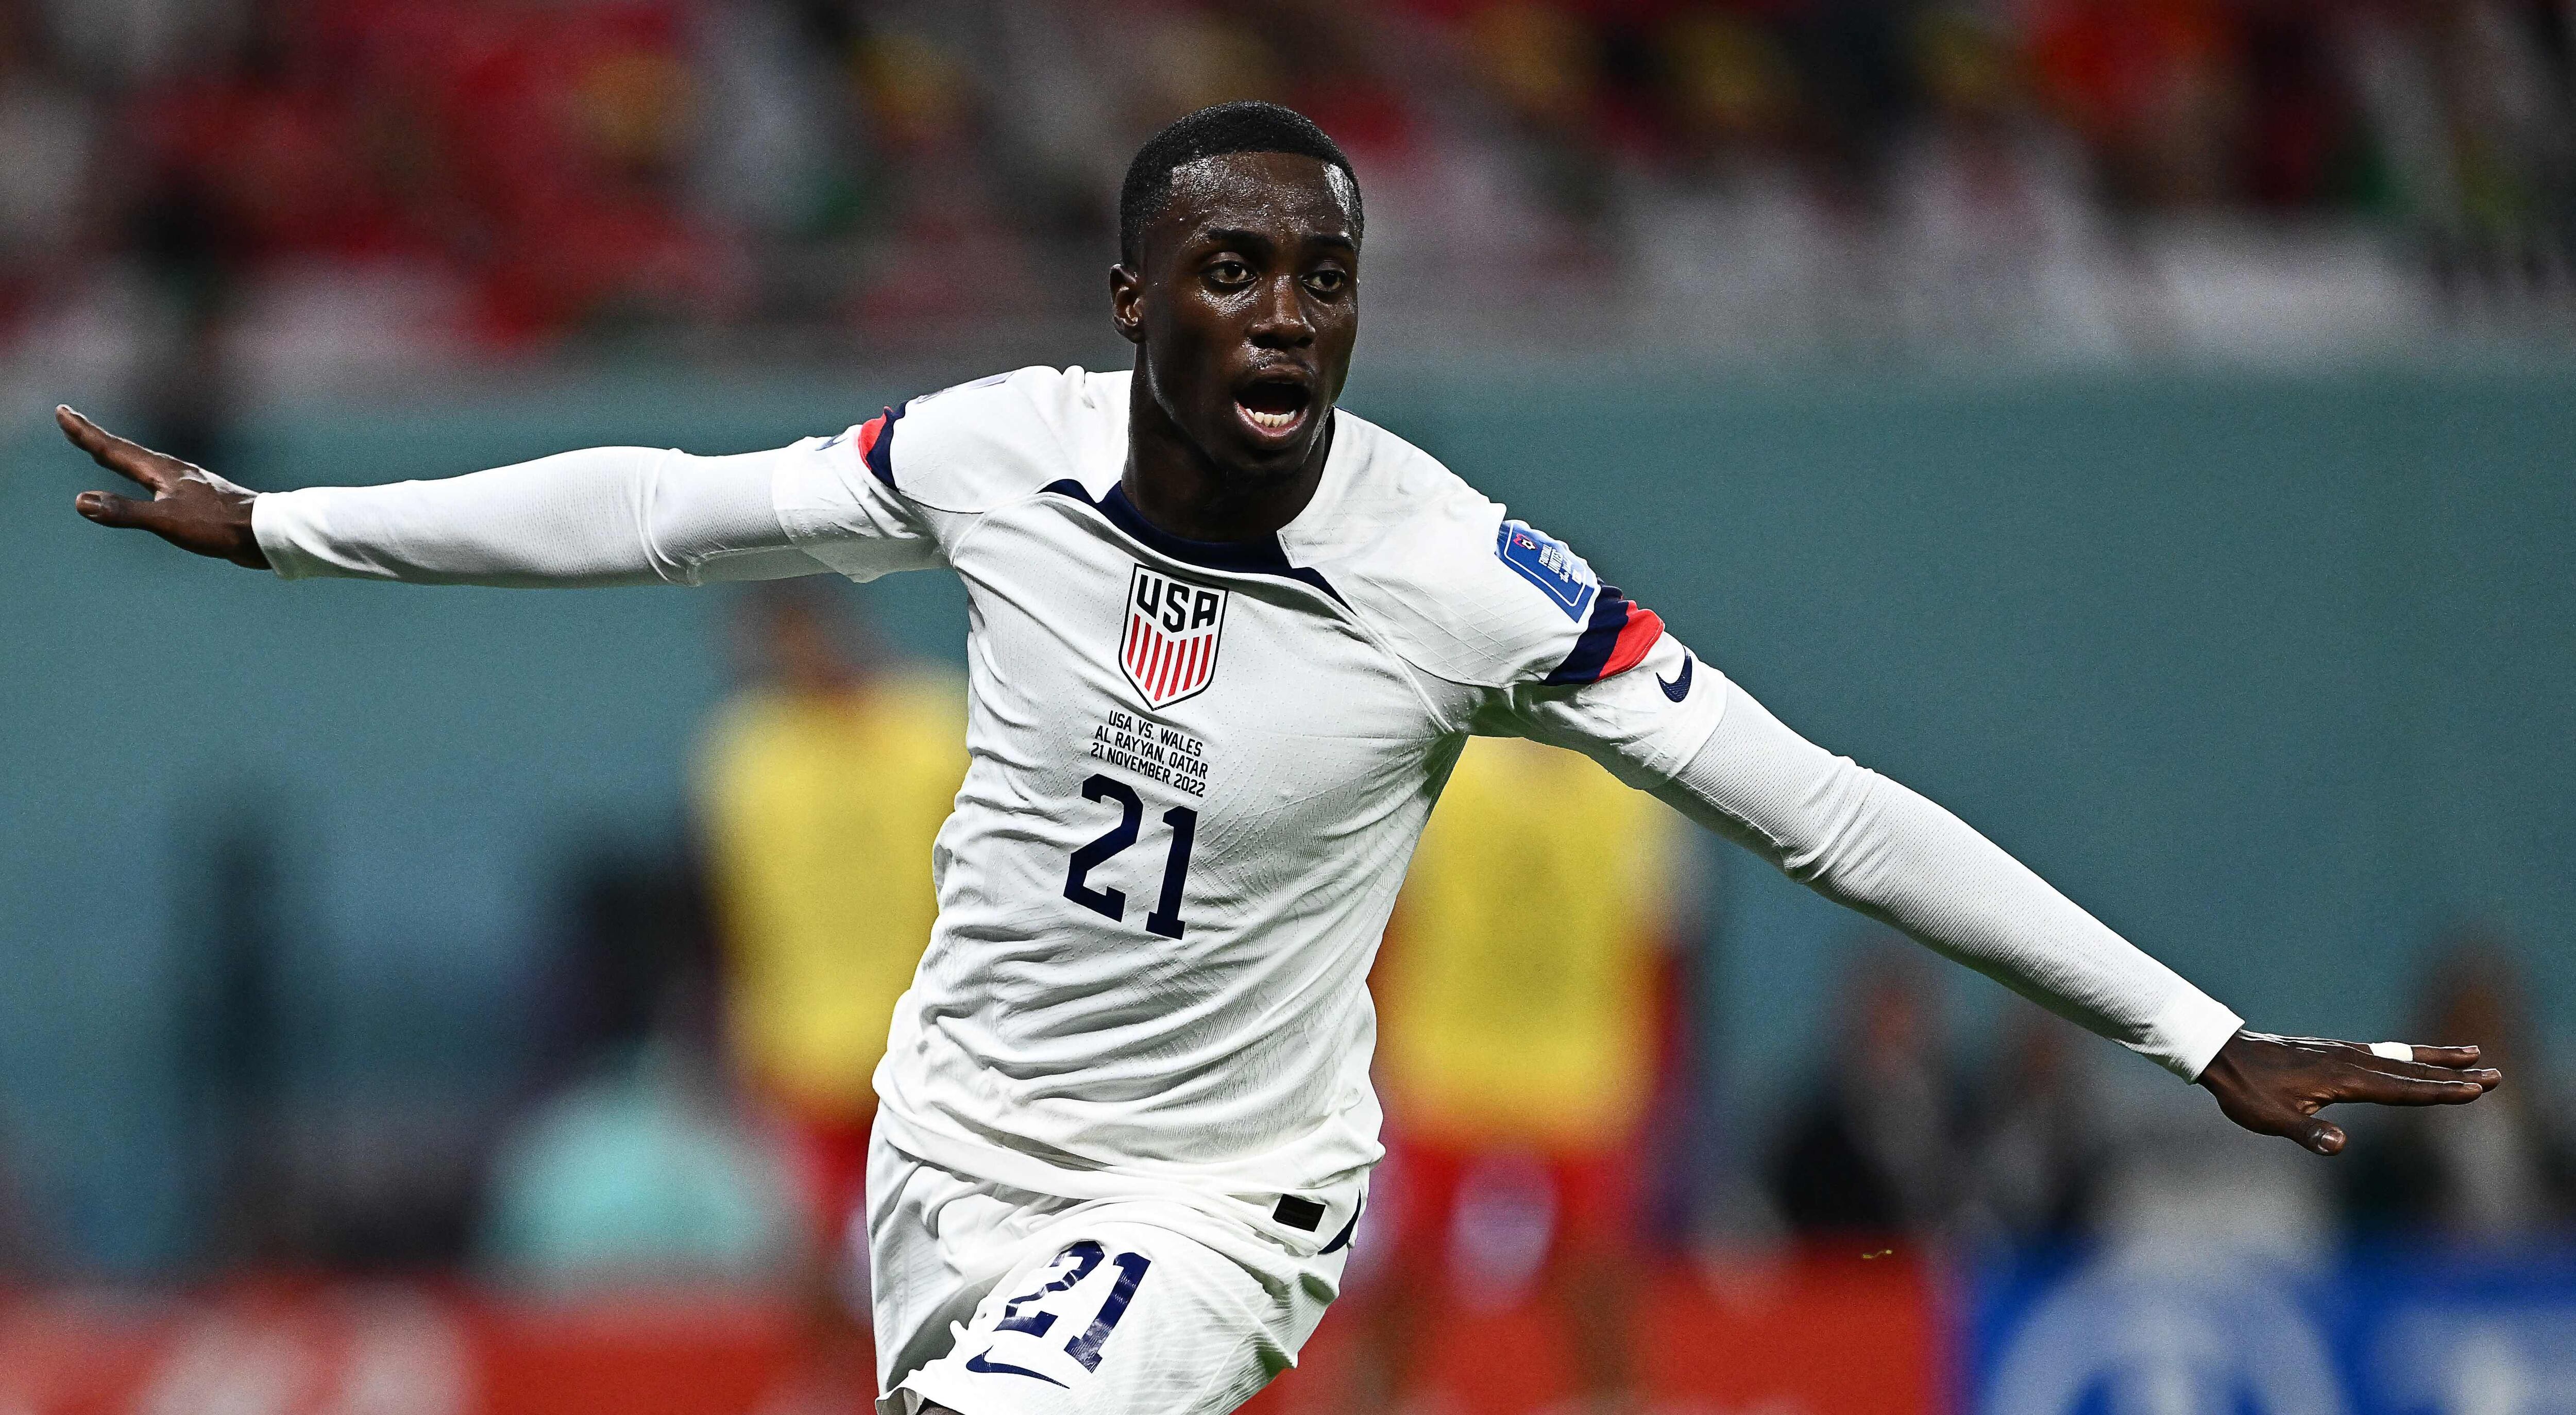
1077	1262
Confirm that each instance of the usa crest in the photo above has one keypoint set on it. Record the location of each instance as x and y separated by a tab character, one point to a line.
1173	628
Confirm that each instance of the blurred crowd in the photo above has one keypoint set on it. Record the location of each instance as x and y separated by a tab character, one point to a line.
257	191
2027	1145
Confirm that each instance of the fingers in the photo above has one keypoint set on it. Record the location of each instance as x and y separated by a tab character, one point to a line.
2457	1058
131	460
2432	1063
2483	1076
2425	1064
123	511
2391	1088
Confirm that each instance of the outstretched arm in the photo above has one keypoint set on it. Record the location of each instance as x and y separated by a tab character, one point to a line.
1868	843
604	516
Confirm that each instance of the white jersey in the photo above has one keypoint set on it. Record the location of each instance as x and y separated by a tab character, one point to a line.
1198	770
1197	773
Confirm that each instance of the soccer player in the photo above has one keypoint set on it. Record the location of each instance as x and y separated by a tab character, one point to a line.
1225	640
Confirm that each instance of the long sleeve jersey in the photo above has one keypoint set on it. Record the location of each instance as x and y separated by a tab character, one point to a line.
1197	770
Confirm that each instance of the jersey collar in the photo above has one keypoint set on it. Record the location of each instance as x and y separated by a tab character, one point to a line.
1262	556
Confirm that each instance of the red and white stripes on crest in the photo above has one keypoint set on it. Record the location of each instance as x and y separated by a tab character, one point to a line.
1174	629
1161	665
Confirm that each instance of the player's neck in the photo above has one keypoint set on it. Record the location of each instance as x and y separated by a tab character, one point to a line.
1178	488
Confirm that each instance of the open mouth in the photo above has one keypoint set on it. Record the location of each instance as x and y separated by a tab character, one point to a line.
1274	407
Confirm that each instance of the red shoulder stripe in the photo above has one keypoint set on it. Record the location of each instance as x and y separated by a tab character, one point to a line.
1644	627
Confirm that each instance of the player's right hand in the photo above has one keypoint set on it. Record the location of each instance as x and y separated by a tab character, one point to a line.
191	507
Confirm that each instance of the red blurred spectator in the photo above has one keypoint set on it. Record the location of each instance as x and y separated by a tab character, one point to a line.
2154	86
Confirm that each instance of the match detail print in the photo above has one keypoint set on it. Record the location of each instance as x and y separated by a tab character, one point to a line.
1173	627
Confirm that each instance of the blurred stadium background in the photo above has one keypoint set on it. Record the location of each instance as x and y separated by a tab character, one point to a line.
2148	426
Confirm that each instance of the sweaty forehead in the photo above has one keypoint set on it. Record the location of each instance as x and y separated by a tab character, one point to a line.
1282	192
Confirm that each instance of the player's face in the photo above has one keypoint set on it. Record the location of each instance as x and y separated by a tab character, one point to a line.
1246	305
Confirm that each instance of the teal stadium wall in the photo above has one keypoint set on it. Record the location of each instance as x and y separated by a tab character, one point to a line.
2271	671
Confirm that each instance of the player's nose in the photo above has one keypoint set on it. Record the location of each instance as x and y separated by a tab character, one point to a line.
1279	321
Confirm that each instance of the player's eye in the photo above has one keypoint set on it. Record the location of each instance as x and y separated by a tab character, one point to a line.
1230	272
1328	281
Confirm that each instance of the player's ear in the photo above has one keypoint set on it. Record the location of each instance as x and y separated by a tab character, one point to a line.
1127	303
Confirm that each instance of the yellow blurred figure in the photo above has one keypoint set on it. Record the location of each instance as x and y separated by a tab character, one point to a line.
1521	1000
821	815
1518	996
821	790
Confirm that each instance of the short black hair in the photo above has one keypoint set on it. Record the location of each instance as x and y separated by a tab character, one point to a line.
1246	125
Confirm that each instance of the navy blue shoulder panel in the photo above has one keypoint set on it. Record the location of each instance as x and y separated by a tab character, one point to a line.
880	451
1591	651
1242	557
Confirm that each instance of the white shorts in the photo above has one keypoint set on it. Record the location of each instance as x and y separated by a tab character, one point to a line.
991	1300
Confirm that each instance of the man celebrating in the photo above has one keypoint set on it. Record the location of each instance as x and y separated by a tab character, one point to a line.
1226	640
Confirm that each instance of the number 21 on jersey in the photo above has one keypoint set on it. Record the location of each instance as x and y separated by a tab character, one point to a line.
1165	918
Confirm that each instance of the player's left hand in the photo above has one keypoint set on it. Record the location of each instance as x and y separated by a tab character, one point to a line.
2276	1085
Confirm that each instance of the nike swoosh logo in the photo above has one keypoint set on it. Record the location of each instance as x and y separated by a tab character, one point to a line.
1679	688
982	1367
